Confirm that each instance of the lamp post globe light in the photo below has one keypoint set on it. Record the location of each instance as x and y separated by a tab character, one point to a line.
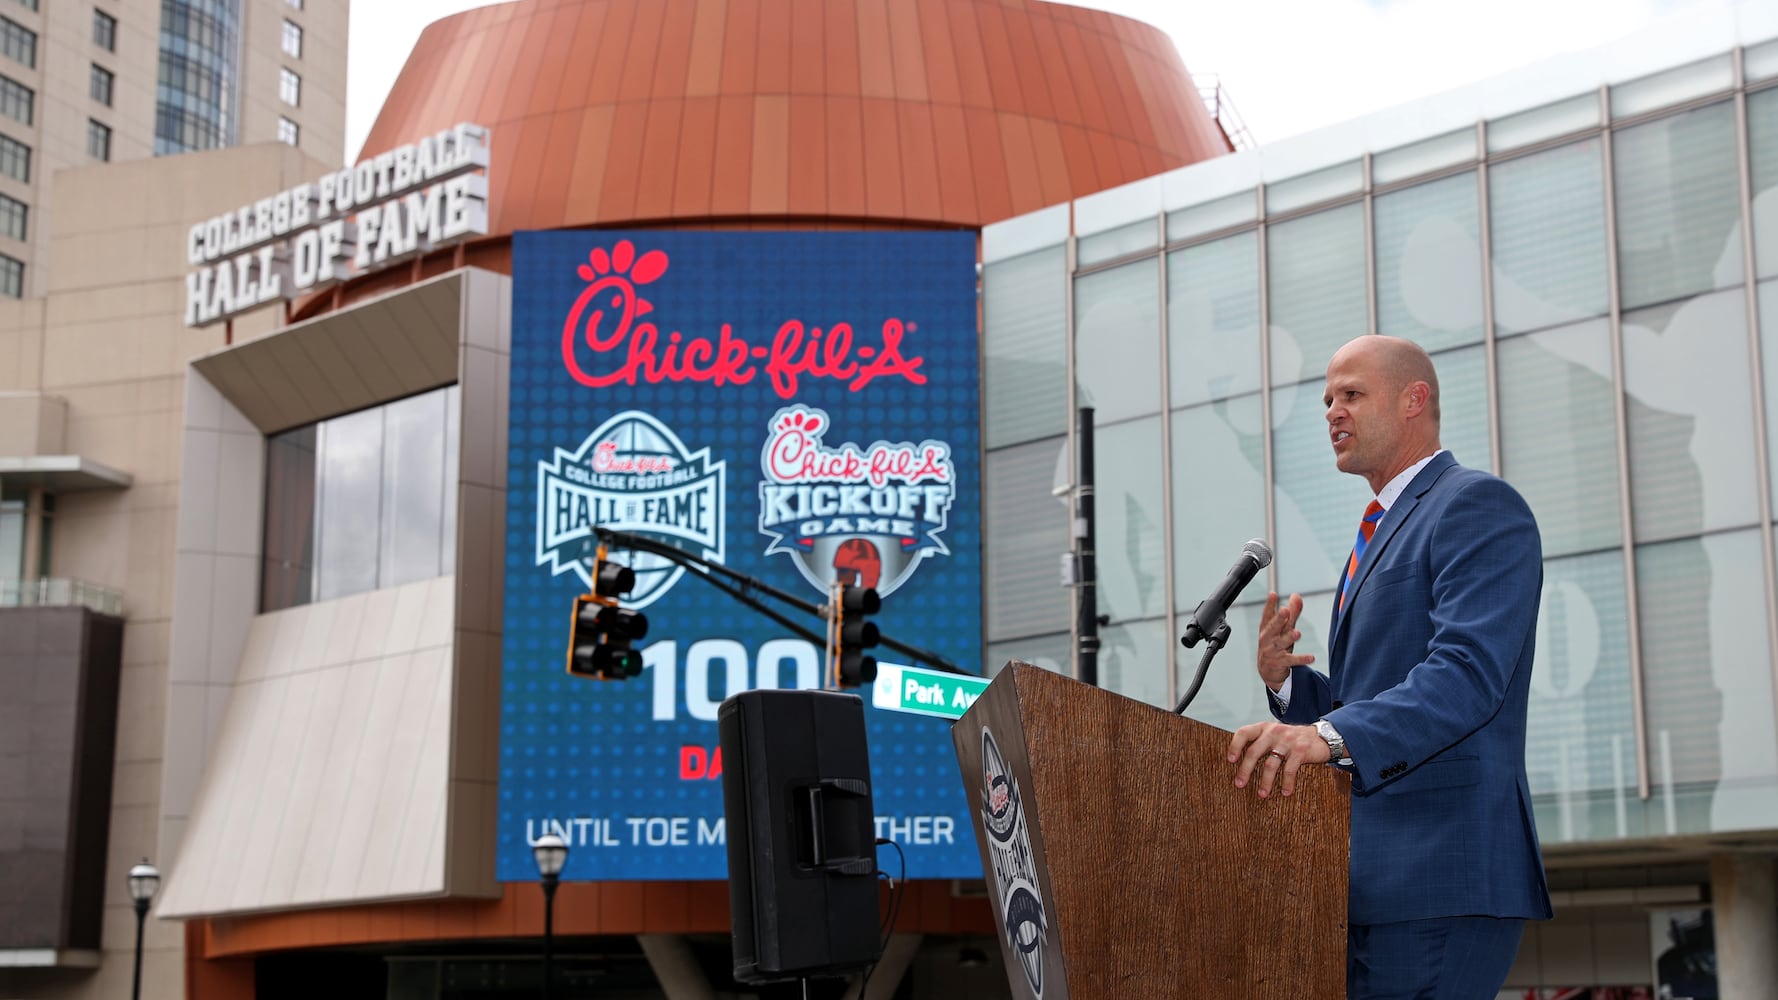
550	853
145	879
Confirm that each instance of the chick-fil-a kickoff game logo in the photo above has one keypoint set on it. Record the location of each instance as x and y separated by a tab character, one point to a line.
606	340
865	516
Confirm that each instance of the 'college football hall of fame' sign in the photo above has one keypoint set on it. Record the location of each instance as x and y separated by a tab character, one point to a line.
800	407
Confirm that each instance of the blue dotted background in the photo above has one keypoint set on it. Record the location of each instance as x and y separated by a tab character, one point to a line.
573	749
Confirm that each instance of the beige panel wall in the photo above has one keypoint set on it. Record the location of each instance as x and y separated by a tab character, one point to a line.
327	780
21	343
61	79
1608	946
58	139
321	113
215	590
485	352
386	824
31	423
110	341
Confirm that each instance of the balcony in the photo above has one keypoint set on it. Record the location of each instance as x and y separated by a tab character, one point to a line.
50	592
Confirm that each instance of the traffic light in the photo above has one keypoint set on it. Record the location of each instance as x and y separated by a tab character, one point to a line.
849	634
600	643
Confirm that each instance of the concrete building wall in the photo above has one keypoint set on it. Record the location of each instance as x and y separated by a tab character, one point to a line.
320	114
108	340
64	105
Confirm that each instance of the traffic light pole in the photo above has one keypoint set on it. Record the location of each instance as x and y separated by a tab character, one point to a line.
743	588
1086	595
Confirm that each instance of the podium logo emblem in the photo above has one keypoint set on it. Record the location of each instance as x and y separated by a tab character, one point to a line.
1015	867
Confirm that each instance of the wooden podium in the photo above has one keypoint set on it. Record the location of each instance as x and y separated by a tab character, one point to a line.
1123	862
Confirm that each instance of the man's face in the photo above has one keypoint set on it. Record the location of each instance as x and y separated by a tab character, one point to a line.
1366	421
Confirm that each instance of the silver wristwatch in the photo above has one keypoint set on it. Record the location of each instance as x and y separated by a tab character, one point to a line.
1336	744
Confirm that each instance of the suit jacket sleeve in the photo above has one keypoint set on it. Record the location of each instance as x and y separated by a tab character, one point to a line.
1485	564
1310	697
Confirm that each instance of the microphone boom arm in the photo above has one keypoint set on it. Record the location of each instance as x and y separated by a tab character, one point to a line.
1219	636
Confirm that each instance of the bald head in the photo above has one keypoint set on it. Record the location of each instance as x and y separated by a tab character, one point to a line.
1398	363
1382	407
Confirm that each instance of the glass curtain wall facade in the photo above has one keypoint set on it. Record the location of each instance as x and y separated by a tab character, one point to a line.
1597	281
200	72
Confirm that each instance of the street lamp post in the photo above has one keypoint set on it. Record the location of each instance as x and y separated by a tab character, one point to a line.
144	880
551	853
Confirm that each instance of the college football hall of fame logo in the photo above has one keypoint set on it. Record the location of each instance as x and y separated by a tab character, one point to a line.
862	516
631	474
1015	868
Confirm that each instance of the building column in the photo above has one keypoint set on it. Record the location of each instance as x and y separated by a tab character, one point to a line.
33	563
676	968
1744	901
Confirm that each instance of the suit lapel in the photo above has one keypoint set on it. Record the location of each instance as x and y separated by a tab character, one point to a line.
1396	516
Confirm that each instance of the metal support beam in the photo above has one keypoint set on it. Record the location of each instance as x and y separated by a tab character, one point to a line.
886	978
675	967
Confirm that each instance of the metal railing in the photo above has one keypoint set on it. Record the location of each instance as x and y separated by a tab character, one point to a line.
1222	109
50	592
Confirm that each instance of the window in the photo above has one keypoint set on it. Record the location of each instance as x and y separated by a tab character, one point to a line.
361	501
1558	432
12	217
290	87
297	4
293	40
98	140
1762	150
18	43
1440	220
1548	213
15	159
1029	527
1213	321
287	131
27	4
14	509
1117	341
99	84
12	277
1678	206
1026	300
19	515
104	31
16	100
1316	288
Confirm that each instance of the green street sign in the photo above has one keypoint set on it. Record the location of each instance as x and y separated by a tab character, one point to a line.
919	691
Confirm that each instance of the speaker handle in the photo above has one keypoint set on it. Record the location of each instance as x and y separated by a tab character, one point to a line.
850	788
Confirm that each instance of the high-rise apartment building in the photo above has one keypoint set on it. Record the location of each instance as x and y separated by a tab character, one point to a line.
107	80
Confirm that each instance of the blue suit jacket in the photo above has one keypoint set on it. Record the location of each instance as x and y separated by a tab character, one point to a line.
1430	661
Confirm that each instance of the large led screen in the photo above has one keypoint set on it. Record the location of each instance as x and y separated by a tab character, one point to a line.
789	405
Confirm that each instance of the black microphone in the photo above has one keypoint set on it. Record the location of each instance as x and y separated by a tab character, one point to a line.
1255	556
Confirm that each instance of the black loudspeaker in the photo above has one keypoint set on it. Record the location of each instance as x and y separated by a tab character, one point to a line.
802	859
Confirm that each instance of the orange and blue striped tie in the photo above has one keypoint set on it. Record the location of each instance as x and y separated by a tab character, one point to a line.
1366	528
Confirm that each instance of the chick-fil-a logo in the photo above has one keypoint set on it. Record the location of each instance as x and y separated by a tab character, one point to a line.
794	454
627	349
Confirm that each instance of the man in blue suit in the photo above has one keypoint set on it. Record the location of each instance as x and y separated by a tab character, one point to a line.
1424	701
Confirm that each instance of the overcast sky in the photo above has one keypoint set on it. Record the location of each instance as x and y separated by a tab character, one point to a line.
1288	65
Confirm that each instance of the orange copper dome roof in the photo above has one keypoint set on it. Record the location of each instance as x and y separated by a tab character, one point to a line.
923	112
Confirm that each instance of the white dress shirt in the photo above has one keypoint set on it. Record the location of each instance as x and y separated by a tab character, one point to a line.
1392	492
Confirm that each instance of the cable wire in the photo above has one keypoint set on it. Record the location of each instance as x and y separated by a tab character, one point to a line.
744	586
897	886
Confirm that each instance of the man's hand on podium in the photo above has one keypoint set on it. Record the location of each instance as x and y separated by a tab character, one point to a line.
1271	753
